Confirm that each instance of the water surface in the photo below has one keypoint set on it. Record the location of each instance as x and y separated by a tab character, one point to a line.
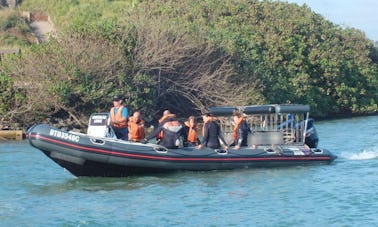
35	191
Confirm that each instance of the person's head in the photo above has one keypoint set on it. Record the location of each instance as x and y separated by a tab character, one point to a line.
136	115
166	112
117	100
236	116
207	115
192	121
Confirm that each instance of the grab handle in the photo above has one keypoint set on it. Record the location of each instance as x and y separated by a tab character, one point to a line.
97	141
161	150
221	151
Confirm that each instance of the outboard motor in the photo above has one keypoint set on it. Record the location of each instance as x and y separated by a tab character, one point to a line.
312	138
99	126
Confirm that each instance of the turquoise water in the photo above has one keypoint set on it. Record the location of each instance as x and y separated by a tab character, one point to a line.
35	191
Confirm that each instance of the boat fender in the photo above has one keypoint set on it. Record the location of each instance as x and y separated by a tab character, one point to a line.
221	151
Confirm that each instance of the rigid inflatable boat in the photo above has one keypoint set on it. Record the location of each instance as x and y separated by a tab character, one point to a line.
278	138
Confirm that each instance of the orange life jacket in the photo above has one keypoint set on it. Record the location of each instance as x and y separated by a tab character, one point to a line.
165	117
241	119
192	133
118	117
136	129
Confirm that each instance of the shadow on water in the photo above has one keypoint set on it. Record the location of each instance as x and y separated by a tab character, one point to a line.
94	184
210	179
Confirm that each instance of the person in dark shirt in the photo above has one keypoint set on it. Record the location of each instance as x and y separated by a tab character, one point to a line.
241	131
211	133
172	131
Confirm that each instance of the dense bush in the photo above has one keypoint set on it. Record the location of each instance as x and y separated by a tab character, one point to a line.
188	55
290	53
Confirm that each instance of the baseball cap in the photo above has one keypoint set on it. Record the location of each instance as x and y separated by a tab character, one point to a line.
117	98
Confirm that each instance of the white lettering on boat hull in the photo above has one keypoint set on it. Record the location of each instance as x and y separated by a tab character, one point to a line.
64	135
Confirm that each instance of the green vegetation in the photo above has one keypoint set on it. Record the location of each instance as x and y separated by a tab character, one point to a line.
14	31
187	56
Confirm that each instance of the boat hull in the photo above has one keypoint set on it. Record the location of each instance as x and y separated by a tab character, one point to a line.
83	155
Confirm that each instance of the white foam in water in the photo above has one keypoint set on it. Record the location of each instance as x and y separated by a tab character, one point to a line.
364	155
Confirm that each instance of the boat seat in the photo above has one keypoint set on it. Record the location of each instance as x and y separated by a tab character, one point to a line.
265	138
289	136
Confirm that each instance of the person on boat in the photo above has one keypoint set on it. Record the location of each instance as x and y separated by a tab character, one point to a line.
136	127
166	114
191	128
241	130
118	118
172	131
211	133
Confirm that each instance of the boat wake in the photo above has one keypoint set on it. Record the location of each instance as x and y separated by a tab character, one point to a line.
364	155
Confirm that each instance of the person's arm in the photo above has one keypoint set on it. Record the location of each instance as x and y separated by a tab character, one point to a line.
220	136
222	139
205	136
125	114
141	123
240	136
154	133
198	141
184	134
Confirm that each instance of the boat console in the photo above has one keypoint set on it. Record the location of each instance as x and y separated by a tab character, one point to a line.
99	126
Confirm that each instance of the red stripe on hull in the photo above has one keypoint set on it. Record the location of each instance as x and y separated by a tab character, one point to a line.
151	157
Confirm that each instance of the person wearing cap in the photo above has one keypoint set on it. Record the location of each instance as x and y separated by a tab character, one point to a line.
211	133
118	118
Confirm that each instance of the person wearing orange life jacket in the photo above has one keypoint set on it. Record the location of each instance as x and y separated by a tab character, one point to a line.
118	118
191	129
211	133
241	130
136	127
172	130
